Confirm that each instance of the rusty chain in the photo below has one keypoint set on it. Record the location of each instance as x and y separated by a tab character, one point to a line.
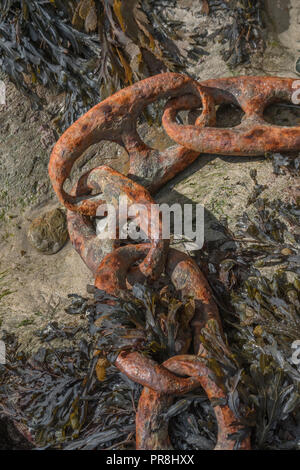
115	119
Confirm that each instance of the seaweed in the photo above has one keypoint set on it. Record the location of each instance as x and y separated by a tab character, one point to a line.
54	330
245	36
242	36
88	50
85	49
152	322
285	164
192	423
254	273
71	400
56	393
62	394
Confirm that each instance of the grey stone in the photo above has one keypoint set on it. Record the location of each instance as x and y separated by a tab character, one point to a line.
49	233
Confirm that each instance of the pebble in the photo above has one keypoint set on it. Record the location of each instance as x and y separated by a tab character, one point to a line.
48	233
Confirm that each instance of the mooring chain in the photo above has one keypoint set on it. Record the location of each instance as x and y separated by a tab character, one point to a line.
253	136
114	267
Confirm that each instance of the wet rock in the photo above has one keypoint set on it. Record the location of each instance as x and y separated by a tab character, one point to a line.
49	233
285	20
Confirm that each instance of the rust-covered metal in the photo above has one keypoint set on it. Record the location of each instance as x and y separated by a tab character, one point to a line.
115	119
112	185
151	424
165	381
254	136
117	268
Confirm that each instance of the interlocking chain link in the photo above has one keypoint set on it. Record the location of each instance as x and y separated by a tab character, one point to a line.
254	136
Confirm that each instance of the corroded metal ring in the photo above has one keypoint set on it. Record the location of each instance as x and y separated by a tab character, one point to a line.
151	424
254	136
115	275
114	119
163	382
112	186
114	267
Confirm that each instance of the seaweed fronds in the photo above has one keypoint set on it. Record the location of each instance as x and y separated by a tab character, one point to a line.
254	273
57	395
245	35
155	323
84	48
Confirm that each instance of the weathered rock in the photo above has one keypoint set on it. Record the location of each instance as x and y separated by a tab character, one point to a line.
49	232
285	21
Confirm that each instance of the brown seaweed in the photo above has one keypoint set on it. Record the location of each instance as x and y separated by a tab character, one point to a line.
84	48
